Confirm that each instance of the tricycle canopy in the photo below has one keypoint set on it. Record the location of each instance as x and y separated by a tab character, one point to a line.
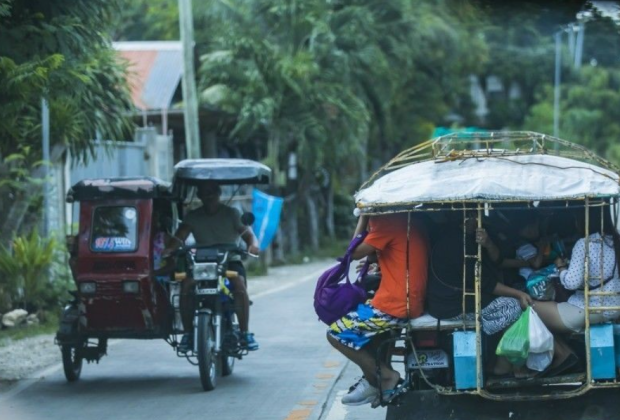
222	171
487	167
119	188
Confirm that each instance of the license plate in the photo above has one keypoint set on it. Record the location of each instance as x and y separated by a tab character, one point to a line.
206	291
429	359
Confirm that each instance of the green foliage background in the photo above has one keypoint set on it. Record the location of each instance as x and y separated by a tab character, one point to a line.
345	84
59	50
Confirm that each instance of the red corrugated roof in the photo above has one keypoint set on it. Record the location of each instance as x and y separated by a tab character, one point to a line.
140	65
155	69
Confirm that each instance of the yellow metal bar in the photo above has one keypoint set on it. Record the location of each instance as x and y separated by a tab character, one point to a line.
478	291
586	292
602	253
614	384
542	397
604	308
464	263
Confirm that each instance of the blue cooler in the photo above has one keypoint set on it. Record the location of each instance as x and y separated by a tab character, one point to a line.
465	359
617	344
602	355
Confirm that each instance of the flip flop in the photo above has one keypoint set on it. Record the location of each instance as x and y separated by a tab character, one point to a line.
389	396
568	363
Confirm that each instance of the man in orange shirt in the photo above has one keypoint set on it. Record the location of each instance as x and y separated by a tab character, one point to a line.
355	334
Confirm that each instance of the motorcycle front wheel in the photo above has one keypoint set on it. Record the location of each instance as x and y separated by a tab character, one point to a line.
208	362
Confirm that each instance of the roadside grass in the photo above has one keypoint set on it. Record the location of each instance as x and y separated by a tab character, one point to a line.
49	326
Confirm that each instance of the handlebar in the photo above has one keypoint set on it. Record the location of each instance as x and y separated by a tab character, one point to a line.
221	248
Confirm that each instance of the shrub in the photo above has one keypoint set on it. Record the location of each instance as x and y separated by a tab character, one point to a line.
25	270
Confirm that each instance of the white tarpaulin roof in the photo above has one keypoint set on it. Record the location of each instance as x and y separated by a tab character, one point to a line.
523	177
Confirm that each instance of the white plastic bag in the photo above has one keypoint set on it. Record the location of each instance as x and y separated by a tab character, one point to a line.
541	344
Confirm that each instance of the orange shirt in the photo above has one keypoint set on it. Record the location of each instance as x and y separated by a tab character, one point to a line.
388	234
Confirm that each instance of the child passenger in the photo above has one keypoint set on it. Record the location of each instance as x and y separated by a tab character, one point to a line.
532	255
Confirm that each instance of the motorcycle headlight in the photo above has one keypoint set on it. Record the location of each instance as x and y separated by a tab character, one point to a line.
88	287
205	271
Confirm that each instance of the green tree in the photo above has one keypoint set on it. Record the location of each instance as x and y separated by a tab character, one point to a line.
57	50
345	84
589	113
519	35
335	82
153	20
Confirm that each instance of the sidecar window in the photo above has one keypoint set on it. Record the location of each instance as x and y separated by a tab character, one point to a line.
114	229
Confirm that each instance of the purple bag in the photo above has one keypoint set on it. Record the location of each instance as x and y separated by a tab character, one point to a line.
333	299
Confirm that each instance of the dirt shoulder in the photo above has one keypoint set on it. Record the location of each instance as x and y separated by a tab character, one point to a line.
27	357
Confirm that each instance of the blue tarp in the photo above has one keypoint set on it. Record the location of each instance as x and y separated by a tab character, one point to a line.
266	209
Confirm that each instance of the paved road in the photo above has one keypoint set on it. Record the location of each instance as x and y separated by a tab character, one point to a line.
290	378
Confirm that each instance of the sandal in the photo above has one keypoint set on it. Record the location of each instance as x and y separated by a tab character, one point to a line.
568	363
389	396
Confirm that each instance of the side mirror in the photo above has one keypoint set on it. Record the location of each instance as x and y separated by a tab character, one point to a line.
248	219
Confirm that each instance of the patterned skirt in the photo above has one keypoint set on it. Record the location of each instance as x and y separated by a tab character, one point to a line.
498	315
356	328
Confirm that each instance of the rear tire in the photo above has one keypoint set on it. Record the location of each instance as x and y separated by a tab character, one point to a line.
208	362
228	365
228	362
71	362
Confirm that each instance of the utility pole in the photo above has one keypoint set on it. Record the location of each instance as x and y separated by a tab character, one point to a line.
45	135
556	93
190	99
579	46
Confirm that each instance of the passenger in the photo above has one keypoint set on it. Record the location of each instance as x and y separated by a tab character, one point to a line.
356	334
530	250
216	223
162	267
567	317
501	305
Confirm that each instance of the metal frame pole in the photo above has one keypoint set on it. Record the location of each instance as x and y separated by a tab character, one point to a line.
45	133
556	93
478	292
586	291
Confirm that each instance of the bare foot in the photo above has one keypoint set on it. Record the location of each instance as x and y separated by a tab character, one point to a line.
389	379
502	367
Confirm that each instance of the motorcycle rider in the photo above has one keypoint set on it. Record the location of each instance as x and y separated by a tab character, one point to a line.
216	223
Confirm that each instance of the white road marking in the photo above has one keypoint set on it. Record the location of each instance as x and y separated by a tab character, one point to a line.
337	411
313	276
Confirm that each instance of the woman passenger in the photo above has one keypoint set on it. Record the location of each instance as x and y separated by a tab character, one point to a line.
567	317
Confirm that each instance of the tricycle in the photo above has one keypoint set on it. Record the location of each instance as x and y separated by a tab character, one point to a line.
127	290
492	179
